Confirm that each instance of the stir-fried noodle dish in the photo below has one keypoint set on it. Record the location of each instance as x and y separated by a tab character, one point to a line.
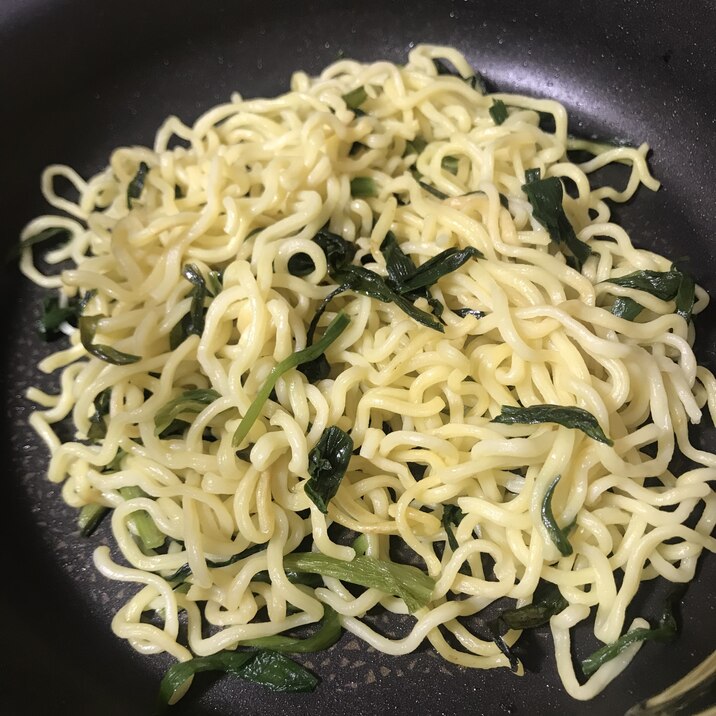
373	343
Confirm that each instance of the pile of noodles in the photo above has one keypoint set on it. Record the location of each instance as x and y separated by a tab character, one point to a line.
243	190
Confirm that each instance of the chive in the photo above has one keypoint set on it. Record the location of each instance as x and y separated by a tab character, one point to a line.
89	518
363	187
327	464
438	266
409	583
147	532
532	175
547	602
567	416
498	111
88	328
214	283
98	428
415	146
360	544
557	535
334	329
355	97
450	164
660	284
432	190
184	571
51	232
268	668
462	312
626	308
190	401
327	635
136	186
452	515
545	196
665	631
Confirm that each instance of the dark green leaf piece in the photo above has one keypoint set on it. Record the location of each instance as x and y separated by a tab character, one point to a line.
404	581
557	535
329	632
532	175
338	252
438	266
452	515
626	308
271	669
136	186
98	428
665	631
355	98
498	111
450	164
547	602
661	284
184	571
52	232
190	401
53	315
432	190
363	188
327	464
686	294
545	196
462	312
334	329
415	146
88	328
568	416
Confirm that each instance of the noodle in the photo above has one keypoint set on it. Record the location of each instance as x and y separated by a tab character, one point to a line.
243	192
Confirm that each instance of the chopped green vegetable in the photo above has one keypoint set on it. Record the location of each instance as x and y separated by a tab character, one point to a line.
498	111
360	544
432	190
452	515
661	284
557	535
190	401
665	631
674	284
214	283
51	232
338	252
98	428
268	668
409	583
355	98
363	187
568	416
327	464
438	266
334	329
450	164
545	196
546	602
462	312
327	635
136	186
626	308
88	328
89	518
192	323
415	146
532	175
149	536
184	571
53	315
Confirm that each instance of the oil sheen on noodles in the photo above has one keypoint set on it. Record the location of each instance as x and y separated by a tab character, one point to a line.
243	190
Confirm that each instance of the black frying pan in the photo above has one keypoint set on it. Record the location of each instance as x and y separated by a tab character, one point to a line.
81	77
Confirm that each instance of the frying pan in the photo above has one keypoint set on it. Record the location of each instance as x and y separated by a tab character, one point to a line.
81	77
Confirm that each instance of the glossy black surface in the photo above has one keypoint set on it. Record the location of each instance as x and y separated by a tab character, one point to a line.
80	78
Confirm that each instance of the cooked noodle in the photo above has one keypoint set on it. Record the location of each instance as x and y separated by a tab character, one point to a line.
243	190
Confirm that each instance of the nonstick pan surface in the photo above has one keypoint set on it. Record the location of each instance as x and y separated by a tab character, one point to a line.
80	78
